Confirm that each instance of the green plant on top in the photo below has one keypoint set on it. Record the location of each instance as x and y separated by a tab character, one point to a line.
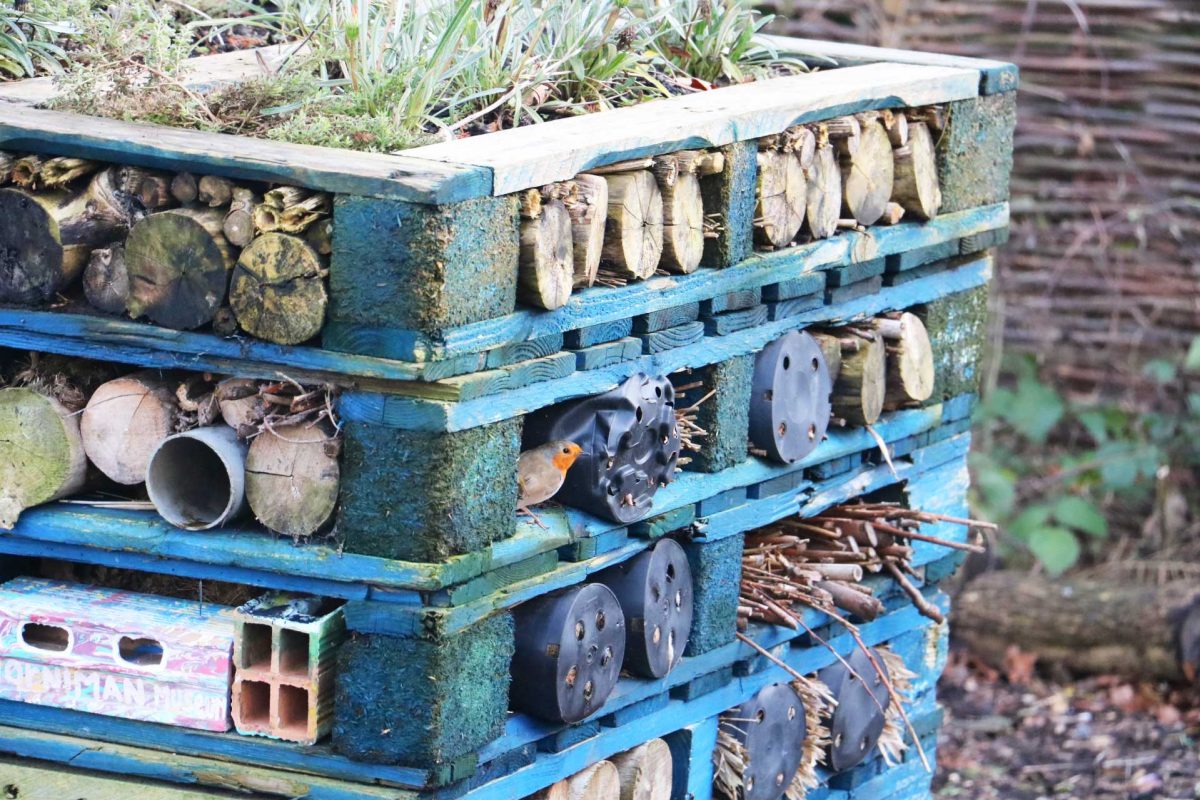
717	41
31	40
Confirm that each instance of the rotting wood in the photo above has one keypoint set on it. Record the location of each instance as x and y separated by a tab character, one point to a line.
46	238
916	186
683	211
633	231
151	189
292	478
184	188
910	372
867	174
41	452
7	160
57	173
179	264
277	290
238	224
124	421
106	280
546	267
242	406
782	198
26	171
214	191
588	207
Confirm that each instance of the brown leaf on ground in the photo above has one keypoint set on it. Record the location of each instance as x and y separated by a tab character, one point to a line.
1018	665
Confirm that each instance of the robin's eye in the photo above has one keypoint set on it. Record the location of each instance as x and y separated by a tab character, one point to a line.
566	451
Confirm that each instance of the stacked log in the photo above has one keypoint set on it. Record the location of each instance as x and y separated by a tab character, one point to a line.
546	272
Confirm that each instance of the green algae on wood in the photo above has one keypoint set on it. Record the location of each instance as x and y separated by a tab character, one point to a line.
975	151
717	576
41	452
725	415
729	198
957	326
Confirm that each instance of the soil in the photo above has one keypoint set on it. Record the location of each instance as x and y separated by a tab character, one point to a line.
1013	735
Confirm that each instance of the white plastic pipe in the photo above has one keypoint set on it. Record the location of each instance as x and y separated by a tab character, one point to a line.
196	479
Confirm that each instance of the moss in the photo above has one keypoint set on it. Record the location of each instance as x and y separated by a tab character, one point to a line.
422	496
725	415
417	702
717	574
420	267
730	195
975	152
957	326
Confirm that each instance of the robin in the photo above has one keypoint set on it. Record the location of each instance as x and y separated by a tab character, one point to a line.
541	472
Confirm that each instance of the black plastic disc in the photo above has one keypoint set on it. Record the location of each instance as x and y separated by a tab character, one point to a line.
656	593
858	718
789	402
772	728
569	649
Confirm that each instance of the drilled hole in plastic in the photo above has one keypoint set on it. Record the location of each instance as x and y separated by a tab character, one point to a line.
769	395
606	657
812	432
779	779
787	362
760	715
791	713
572	675
657	636
588	690
601	621
580	630
679	598
638	414
670	572
816	365
782	429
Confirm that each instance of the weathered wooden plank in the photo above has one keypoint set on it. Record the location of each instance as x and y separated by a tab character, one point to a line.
559	150
734	321
599	356
689	333
481	384
393	177
994	76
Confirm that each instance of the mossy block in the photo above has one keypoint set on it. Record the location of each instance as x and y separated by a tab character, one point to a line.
957	326
669	339
716	575
734	321
569	736
853	273
418	702
983	241
421	496
607	354
794	306
733	301
523	351
666	318
730	195
975	151
423	267
598	334
635	711
844	294
781	483
661	525
725	415
911	259
705	684
803	286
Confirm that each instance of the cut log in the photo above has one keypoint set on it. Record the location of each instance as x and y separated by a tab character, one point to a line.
896	125
41	453
242	407
57	173
214	191
859	390
278	289
597	782
864	606
46	238
320	236
831	348
292	478
683	211
296	218
555	791
916	181
106	281
547	264
633	231
645	772
867	175
909	360
7	161
27	171
151	189
823	206
238	225
845	133
588	208
1087	625
184	188
125	420
782	198
179	265
803	142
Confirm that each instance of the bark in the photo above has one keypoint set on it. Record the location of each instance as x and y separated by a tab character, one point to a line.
238	225
320	236
645	772
124	422
831	348
106	280
179	263
27	171
7	161
864	606
151	189
292	478
823	205
47	238
242	407
633	232
41	453
683	211
598	782
867	175
859	390
782	198
909	360
214	191
916	181
1087	625
588	208
184	188
547	264
57	173
278	289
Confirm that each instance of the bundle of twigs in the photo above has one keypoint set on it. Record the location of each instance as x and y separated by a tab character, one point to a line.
690	431
255	407
820	562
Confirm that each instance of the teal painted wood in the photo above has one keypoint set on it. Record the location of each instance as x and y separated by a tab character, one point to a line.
995	77
853	273
666	318
672	338
803	286
523	351
734	321
397	177
598	334
733	301
785	309
609	354
853	291
600	304
691	755
515	376
418	414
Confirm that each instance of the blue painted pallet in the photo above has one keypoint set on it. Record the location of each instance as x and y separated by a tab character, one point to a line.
428	415
143	541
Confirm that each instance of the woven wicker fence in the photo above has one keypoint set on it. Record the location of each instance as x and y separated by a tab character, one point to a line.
1103	270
